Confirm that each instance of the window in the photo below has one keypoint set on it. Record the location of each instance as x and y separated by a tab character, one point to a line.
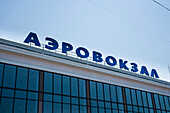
33	80
22	77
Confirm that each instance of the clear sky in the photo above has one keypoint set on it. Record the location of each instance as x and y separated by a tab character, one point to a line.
133	30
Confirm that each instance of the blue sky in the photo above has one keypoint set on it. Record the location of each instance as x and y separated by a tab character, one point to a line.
137	31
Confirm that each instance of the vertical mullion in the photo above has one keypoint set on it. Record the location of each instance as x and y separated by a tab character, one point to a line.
124	99
104	98
110	98
41	92
27	91
153	101
88	96
2	80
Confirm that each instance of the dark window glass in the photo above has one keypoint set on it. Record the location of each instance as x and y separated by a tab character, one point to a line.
151	110
119	94
133	93
108	111
57	98
22	76
47	97
32	106
100	91
47	107
74	100
93	90
82	101
167	103
141	109
101	104
33	80
162	102
158	111
101	110
128	96
82	88
145	102
57	108
48	81
156	101
33	95
74	86
94	103
9	76
139	98
20	94
75	109
66	99
135	109
129	108
1	73
146	110
57	84
114	106
66	85
6	105
106	92
108	105
120	106
83	109
115	111
66	108
8	92
113	93
94	110
19	106
150	100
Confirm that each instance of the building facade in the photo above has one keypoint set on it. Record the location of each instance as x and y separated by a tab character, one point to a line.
33	80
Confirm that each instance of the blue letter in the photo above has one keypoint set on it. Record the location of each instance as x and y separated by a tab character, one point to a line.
53	43
113	63
123	64
86	53
144	70
66	47
32	37
134	67
154	73
97	56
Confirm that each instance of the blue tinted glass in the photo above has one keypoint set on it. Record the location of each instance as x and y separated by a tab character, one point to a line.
156	101
6	105
82	101
114	106
113	93
8	92
33	80
9	76
19	106
57	84
1	73
66	99
66	85
121	107
128	96
133	93
100	104
150	100
135	109
33	95
32	106
47	97
82	88
47	107
145	102
108	105
100	91
22	76
75	109
158	111
94	103
146	110
139	97
119	94
66	108
83	109
129	108
94	110
166	103
57	98
93	90
48	81
57	108
151	110
141	109
115	111
108	111
106	92
74	100
20	94
101	110
74	86
162	102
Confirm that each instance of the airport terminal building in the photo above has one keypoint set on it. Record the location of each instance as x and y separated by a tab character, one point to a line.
34	80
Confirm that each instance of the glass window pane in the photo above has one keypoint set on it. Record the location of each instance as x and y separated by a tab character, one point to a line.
66	108
74	100
128	96
32	106
48	81
20	94
47	97
66	99
100	91
9	76
57	84
133	93
150	100
57	108
94	110
33	80
82	88
114	106
113	93
156	101
83	109
94	103
101	110
47	107
162	102
6	105
74	86
22	75
66	85
19	106
145	103
33	95
57	98
1	73
166	103
119	94
106	92
7	92
75	109
93	90
82	101
100	104
139	98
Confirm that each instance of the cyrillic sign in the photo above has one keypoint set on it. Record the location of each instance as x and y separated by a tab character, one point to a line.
97	56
